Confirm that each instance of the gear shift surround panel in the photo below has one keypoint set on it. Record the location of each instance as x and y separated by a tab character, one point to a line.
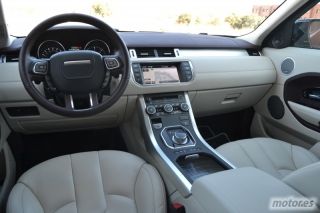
177	137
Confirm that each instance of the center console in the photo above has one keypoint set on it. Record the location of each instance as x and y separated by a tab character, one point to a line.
172	136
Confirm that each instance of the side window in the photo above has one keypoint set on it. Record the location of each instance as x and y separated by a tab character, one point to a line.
306	31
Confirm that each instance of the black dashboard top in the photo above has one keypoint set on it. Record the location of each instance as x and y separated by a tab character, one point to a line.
83	34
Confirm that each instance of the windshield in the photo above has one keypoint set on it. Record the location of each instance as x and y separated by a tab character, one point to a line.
223	17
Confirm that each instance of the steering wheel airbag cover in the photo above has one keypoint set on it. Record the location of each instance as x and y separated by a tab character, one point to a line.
77	72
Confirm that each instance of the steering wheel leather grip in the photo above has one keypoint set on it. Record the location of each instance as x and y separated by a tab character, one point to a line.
75	73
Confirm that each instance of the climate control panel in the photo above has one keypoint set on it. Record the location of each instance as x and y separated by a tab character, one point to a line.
167	110
168	104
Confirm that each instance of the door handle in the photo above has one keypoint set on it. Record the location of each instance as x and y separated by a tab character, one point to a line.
312	94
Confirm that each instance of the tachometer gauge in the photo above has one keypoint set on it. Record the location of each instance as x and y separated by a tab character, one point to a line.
98	46
49	47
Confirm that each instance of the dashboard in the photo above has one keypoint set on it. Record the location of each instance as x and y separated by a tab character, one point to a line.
220	74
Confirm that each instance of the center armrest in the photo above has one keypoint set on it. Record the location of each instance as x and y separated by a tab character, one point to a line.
239	190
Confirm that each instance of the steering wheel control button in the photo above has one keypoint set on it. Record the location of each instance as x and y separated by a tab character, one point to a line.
151	110
112	63
184	107
180	137
168	108
40	68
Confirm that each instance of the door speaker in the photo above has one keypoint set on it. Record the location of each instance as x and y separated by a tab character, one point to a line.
287	66
275	107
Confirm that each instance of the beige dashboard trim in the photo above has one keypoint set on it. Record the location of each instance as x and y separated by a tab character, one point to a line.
214	70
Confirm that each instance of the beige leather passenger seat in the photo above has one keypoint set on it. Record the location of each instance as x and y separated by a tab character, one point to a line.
275	157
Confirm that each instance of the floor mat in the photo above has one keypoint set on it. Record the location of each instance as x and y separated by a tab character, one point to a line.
30	150
220	129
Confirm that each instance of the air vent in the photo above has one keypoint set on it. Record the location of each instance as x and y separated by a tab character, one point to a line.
10	57
253	52
165	53
23	111
145	53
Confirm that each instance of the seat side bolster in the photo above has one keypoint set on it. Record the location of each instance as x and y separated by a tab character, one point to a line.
315	149
22	199
149	192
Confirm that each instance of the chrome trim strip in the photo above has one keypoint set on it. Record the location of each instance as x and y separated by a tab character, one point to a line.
171	147
69	99
194	125
66	63
90	99
159	151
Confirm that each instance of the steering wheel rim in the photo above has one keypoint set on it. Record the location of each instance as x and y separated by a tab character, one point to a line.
27	65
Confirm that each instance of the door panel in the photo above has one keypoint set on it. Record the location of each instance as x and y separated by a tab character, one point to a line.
297	126
302	96
305	114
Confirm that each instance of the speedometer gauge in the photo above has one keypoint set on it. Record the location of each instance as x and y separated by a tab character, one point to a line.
48	48
98	46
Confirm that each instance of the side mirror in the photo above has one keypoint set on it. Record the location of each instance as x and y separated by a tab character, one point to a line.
306	33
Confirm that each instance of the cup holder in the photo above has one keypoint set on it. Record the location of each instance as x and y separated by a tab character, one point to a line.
197	165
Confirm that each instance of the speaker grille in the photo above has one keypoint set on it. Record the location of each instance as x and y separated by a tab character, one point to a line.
275	107
287	66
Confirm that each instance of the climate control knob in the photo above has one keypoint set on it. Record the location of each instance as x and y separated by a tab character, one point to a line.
184	107
168	108
151	110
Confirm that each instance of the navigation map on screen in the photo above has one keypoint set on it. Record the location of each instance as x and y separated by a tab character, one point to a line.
159	75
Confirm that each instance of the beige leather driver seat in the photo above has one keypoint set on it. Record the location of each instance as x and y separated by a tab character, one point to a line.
275	157
105	181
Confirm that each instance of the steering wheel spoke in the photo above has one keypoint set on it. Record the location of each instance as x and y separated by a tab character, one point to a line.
93	99
113	64
69	103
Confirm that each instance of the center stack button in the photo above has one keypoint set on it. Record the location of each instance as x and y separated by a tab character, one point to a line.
168	108
151	110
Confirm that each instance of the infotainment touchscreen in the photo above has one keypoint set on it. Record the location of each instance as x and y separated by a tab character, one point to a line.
160	74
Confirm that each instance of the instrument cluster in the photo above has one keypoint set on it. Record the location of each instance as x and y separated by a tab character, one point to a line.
48	48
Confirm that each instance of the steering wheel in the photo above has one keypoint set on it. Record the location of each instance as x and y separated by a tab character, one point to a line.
84	75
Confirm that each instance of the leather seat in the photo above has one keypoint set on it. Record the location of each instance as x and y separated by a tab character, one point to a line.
105	181
275	157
